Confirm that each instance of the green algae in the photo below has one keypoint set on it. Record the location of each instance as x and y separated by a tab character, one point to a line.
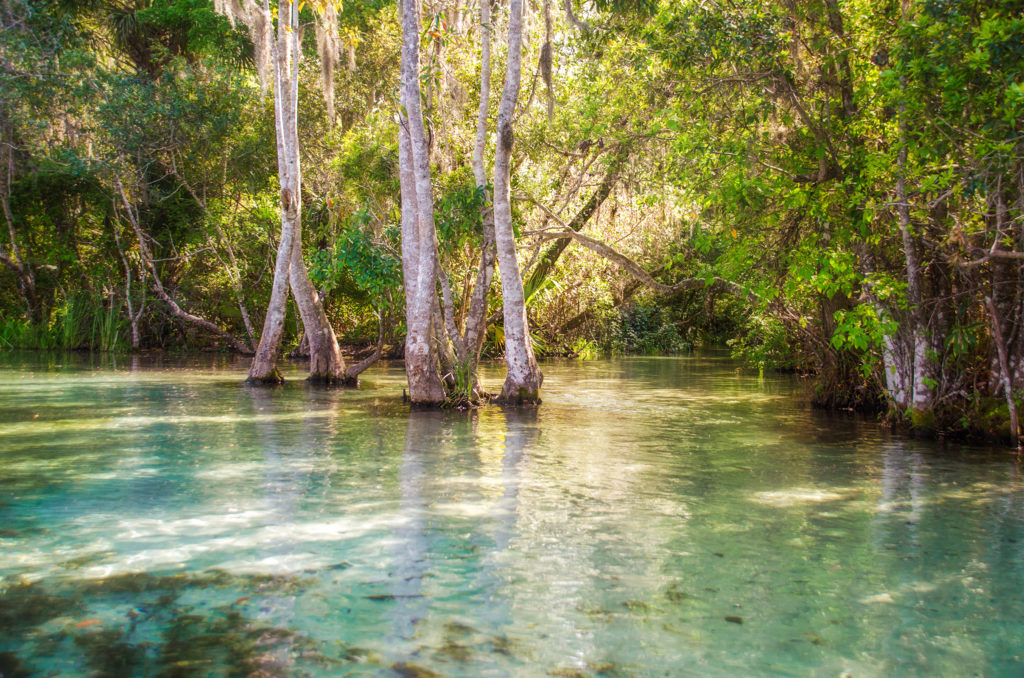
26	605
12	667
108	654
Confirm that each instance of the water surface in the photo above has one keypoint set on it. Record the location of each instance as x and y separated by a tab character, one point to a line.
654	517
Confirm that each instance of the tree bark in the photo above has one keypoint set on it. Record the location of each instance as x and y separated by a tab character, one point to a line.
475	328
524	379
326	366
263	369
325	362
133	317
1004	365
920	394
418	258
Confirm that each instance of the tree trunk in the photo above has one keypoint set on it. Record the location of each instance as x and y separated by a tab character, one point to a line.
997	338
470	342
418	257
325	362
476	321
263	369
523	382
133	317
326	365
264	364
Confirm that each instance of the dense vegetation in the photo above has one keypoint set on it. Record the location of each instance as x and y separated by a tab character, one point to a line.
829	186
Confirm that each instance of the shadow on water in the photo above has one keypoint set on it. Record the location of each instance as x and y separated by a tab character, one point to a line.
653	516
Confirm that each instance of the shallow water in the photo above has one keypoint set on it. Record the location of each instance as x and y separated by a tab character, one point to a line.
654	517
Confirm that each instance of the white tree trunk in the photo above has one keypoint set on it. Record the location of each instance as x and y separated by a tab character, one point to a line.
476	321
264	363
418	236
523	382
921	368
326	364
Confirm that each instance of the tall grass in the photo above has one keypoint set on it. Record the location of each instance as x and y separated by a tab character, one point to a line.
81	321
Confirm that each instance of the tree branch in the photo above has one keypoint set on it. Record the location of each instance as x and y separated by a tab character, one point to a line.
638	272
158	287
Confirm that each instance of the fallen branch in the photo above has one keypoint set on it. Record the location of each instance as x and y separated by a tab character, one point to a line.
638	272
158	287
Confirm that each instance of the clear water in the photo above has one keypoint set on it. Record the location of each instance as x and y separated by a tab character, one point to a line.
654	517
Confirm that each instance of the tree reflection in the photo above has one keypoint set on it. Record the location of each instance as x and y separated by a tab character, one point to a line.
452	534
521	433
411	549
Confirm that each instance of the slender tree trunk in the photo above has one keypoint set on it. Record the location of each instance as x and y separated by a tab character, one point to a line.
447	360
133	317
1004	365
325	362
264	364
912	363
476	320
326	365
523	382
418	233
467	345
263	369
920	393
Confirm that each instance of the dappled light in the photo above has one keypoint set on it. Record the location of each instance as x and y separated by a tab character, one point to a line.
326	532
573	338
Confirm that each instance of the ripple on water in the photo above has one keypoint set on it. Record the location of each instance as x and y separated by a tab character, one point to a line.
652	517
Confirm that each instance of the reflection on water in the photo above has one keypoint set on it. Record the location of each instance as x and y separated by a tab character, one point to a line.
653	517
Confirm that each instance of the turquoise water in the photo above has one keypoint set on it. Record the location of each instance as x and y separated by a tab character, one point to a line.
654	517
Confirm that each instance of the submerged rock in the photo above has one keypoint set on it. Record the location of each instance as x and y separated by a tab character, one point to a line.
409	670
11	666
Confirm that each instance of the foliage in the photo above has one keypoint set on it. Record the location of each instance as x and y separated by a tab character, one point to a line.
359	266
642	329
765	344
841	183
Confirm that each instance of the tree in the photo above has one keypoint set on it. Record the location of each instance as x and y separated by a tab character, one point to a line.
523	382
419	238
281	57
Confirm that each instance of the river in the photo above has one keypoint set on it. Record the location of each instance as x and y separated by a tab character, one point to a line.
653	517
